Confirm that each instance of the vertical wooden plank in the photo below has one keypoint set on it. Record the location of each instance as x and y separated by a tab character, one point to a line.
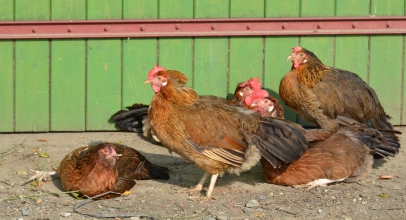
104	9
277	49
176	9
68	71
322	46
177	53
140	9
139	55
6	72
387	8
6	10
247	9
317	8
103	96
246	53
211	54
32	10
6	86
277	8
32	86
351	52
352	8
32	72
386	73
68	10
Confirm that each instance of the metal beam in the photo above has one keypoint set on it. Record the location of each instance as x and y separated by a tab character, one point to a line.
202	27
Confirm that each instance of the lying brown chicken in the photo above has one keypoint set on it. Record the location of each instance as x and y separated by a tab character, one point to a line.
244	91
319	93
214	136
266	105
105	170
344	156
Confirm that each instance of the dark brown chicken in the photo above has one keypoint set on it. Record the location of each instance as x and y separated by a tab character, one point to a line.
214	136
319	93
344	156
105	167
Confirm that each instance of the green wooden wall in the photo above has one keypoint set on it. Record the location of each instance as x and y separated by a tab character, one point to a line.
76	84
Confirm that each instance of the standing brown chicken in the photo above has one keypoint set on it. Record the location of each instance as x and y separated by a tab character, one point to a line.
104	168
319	93
214	136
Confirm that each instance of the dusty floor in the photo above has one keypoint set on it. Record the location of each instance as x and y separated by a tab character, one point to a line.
371	198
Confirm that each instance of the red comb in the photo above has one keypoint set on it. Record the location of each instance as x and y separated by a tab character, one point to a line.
155	70
253	82
296	49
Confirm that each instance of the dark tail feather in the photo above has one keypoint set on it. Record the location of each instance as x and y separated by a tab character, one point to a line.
159	172
130	119
382	142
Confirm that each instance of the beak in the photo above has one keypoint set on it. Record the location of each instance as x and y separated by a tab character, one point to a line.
254	104
147	81
289	58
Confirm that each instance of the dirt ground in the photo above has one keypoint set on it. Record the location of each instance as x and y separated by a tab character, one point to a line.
370	198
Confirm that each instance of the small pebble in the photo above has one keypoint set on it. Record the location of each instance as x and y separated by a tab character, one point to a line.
111	209
135	218
209	218
222	217
363	202
252	203
261	197
246	210
25	212
319	211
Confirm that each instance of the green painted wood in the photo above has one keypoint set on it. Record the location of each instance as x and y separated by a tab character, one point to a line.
211	53
351	52
403	118
212	8
104	9
32	71
246	60
278	8
32	10
247	9
32	85
140	9
177	53
211	59
68	10
388	7
176	9
352	8
139	56
6	10
277	49
317	8
68	85
103	96
104	66
68	72
385	75
6	86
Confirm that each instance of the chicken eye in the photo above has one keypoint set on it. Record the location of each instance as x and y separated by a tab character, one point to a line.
301	54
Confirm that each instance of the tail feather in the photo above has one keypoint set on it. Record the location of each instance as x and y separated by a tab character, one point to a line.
159	172
130	119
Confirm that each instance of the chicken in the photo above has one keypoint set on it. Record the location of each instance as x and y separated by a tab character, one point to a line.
345	156
266	105
244	91
319	93
105	170
214	136
134	118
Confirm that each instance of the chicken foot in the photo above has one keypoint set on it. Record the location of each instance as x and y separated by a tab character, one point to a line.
209	191
40	175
